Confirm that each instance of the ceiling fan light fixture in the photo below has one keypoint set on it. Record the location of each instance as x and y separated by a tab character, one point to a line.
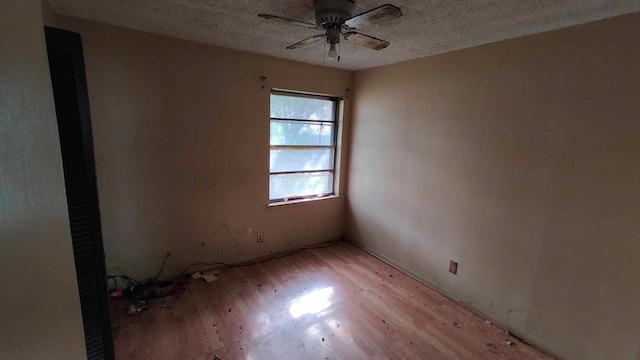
336	19
333	53
332	12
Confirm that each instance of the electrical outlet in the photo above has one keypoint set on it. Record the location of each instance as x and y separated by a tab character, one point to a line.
453	267
260	237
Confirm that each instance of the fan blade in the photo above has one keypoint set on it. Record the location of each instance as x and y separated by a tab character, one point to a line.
288	21
374	16
365	40
306	41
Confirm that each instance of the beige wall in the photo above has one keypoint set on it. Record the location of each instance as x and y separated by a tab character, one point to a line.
39	307
521	161
181	134
49	17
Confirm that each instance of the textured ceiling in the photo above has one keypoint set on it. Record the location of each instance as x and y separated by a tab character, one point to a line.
428	27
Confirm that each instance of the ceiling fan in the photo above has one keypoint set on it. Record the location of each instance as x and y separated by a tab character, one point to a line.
335	18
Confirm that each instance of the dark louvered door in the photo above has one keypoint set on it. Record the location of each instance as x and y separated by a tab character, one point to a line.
68	78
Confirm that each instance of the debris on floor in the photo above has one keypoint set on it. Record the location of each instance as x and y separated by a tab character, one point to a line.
142	295
492	345
457	325
208	276
508	343
489	322
137	307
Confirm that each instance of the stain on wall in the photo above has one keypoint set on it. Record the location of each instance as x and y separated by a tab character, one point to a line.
181	135
521	161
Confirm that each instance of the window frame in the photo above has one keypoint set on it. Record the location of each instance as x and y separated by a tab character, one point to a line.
335	122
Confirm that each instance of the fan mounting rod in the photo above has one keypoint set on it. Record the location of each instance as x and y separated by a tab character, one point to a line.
333	13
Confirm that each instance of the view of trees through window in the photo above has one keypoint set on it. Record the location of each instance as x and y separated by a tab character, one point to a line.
302	146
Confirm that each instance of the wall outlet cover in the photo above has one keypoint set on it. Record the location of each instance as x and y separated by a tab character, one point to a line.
453	267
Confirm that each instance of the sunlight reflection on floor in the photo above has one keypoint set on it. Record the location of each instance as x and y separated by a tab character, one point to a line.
311	303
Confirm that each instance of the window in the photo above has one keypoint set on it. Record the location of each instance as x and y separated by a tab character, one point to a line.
303	146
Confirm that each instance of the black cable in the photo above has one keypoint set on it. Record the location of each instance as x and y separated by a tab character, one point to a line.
115	280
135	282
130	279
115	287
247	263
162	268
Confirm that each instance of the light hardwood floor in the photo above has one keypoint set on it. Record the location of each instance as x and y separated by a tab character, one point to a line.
336	302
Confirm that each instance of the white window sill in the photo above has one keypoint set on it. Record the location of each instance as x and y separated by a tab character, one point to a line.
302	201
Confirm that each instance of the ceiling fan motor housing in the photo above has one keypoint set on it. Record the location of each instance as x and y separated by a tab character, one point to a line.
333	13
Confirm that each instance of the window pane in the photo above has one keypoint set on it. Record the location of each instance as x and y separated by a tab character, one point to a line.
301	133
295	107
301	159
304	184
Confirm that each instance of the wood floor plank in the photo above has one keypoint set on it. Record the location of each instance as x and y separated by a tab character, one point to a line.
336	302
